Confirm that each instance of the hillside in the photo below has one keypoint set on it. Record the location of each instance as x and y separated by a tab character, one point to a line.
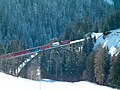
29	23
112	41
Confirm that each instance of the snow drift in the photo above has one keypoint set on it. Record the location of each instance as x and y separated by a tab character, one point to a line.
8	82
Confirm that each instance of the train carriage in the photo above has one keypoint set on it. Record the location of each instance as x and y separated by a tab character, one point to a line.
33	50
5	56
19	53
45	47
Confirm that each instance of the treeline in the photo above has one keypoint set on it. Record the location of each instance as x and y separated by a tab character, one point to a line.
78	29
34	22
66	64
106	67
95	66
112	21
104	22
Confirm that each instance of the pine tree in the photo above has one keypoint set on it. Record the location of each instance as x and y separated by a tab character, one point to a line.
88	45
76	30
14	46
85	46
90	68
112	22
2	51
114	71
100	61
107	67
116	4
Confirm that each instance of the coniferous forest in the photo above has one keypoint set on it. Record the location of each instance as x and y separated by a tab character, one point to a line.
29	23
34	22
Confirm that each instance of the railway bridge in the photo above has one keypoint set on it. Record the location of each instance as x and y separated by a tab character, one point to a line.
28	64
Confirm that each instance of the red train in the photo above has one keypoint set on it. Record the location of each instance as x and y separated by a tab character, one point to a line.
33	50
45	47
19	53
5	56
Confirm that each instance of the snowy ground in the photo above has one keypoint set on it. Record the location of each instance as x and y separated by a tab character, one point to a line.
112	41
8	82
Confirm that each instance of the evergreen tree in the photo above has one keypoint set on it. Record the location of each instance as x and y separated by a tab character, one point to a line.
84	49
112	22
14	46
34	19
114	71
107	67
100	62
90	76
88	45
116	4
2	49
75	31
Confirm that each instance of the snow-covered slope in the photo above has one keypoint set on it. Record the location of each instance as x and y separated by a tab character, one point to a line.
8	82
109	1
112	41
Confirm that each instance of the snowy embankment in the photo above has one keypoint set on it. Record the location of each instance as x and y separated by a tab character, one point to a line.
8	82
112	41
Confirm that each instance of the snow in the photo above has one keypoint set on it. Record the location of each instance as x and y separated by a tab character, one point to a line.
105	43
113	50
112	41
110	1
8	82
97	35
76	41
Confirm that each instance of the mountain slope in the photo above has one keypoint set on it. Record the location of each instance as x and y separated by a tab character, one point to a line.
112	41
